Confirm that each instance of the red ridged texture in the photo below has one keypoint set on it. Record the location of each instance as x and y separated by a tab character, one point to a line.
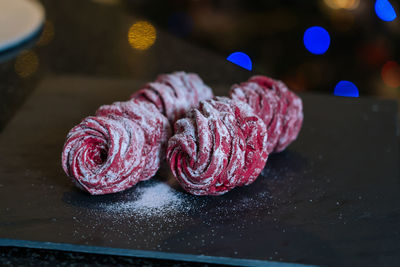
218	146
126	141
226	142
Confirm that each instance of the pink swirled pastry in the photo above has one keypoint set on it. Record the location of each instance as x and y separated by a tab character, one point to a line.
218	146
174	94
279	108
155	127
126	141
101	154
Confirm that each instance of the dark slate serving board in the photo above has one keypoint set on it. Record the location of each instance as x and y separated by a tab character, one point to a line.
330	199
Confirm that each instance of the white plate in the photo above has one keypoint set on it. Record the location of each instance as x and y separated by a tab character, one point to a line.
19	21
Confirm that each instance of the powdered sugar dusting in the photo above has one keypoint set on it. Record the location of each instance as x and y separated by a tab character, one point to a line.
172	220
157	199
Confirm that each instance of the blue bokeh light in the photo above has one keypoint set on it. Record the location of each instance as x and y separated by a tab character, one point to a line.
240	59
317	40
384	10
346	88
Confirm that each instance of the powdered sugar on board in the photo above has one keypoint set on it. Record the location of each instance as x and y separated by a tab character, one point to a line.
157	199
158	215
166	201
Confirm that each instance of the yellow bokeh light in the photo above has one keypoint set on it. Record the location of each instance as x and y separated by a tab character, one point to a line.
26	63
107	2
142	35
342	4
47	34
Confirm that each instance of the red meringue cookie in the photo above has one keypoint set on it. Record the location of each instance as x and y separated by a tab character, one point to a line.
264	94
266	104
154	125
101	154
293	113
174	94
126	141
217	147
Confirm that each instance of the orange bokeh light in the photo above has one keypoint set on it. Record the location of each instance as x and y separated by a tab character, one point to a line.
342	4
26	64
47	34
391	74
142	35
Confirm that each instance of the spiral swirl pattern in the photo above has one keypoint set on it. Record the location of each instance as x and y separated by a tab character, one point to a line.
217	147
101	154
126	141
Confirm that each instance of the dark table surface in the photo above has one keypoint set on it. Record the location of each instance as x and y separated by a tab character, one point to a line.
331	199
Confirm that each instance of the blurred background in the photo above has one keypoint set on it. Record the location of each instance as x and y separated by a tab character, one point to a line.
138	39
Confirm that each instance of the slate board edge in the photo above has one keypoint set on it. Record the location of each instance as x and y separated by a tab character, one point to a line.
4	242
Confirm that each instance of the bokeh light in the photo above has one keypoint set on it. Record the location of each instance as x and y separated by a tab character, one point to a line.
375	53
142	35
107	2
391	74
346	88
240	59
342	4
47	34
317	40
384	10
26	63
